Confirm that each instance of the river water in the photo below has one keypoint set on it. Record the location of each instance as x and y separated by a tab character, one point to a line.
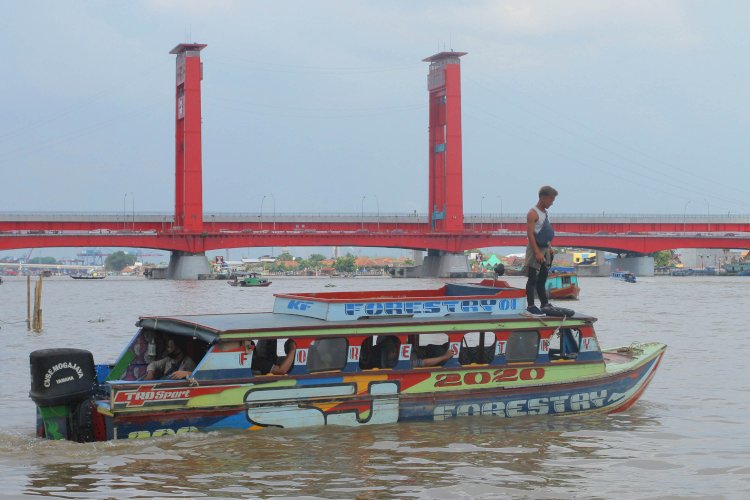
687	437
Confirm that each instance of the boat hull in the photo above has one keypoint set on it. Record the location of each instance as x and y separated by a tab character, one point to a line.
567	293
148	410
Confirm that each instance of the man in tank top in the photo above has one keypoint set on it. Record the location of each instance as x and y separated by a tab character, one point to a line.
539	251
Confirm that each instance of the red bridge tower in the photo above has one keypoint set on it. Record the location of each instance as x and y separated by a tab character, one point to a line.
445	209
188	199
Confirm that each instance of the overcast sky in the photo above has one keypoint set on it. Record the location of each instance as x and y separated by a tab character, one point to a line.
625	106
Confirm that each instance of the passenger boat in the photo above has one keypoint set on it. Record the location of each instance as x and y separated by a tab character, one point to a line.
92	276
623	276
562	283
252	279
355	358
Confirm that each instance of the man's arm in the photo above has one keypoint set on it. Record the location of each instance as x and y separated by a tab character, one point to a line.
437	360
155	366
531	219
283	367
187	365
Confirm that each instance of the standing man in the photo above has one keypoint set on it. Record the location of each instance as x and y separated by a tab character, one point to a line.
539	251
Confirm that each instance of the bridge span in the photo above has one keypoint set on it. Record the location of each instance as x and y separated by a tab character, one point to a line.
639	234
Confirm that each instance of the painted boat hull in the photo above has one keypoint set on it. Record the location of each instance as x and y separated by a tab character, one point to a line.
155	409
570	292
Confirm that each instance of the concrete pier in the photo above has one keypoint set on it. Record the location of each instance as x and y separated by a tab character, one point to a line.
439	264
640	265
187	266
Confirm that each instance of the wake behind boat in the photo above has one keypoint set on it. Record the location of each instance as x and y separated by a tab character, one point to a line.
343	358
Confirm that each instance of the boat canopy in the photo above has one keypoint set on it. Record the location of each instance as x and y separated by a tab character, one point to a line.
448	300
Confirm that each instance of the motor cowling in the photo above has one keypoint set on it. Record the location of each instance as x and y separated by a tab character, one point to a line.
63	382
60	376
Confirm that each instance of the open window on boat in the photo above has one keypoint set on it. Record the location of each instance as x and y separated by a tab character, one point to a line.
523	346
267	353
430	345
477	348
327	354
150	345
565	344
379	351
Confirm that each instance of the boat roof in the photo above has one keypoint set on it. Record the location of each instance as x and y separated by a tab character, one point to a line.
373	312
212	328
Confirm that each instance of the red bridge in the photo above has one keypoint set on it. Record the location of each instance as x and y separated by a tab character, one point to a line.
191	232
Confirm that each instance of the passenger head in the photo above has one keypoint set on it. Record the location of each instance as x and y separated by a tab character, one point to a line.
173	350
389	346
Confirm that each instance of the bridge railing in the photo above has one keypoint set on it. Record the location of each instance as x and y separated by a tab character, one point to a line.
384	217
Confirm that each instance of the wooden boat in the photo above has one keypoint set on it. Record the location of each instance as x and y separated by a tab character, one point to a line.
623	276
252	279
92	276
562	283
356	358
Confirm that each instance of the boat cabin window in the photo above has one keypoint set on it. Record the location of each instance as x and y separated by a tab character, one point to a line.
430	349
430	345
565	344
327	354
379	351
477	347
523	345
267	353
150	346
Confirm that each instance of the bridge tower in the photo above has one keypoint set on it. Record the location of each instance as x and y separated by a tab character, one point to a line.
188	199
446	213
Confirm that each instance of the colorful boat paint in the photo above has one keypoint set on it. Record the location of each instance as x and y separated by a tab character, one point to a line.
503	364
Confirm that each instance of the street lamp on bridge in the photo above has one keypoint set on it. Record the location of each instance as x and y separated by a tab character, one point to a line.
684	216
501	210
362	210
481	214
377	205
273	199
261	211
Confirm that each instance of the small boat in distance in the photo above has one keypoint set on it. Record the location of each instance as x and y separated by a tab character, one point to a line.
562	283
344	359
95	275
623	276
252	279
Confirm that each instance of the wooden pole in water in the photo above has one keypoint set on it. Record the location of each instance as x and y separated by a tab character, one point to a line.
37	319
28	302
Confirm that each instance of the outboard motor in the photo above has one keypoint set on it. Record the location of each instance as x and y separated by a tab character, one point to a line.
62	383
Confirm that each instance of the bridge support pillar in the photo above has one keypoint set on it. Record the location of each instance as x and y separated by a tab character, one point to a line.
439	264
187	266
640	265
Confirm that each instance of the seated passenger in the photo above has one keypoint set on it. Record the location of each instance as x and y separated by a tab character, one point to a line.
265	362
418	362
175	365
386	352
